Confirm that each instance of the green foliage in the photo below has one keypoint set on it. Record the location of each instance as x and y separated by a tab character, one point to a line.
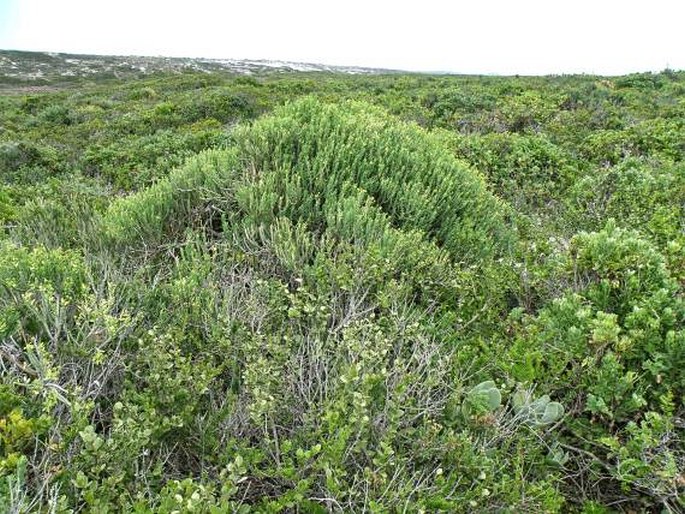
539	411
163	210
31	280
528	170
322	148
661	139
19	160
528	110
613	347
135	161
61	213
637	194
398	294
482	399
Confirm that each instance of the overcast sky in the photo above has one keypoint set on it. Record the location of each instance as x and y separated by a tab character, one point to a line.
480	36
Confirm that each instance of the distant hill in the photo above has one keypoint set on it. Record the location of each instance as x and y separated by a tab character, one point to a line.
17	67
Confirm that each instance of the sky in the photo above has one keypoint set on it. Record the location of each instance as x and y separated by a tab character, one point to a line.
527	37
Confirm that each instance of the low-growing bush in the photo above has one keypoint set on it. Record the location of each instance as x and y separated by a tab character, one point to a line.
613	349
412	301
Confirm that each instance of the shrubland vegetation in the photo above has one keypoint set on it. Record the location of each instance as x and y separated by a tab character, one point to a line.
318	292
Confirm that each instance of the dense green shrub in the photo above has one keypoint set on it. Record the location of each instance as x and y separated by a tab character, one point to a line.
320	148
136	161
324	310
613	347
636	193
59	213
660	139
148	218
527	111
31	277
22	158
528	170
